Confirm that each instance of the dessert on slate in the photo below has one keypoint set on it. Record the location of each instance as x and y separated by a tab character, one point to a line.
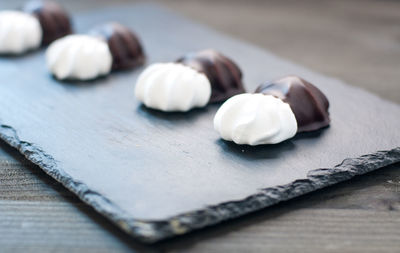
124	45
108	47
53	19
38	23
172	87
224	75
276	112
80	57
308	103
255	119
194	80
19	32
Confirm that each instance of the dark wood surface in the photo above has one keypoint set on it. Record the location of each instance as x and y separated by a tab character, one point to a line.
361	215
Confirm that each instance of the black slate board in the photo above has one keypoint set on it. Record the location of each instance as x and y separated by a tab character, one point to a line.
156	174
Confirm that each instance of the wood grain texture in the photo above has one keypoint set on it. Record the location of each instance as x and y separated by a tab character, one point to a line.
376	191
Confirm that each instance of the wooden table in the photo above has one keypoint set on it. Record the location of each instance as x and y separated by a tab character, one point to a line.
352	40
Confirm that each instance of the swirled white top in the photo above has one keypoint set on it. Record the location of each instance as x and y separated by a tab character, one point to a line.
81	57
255	119
172	87
19	32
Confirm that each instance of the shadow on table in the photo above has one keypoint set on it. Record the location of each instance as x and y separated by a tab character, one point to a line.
171	116
269	151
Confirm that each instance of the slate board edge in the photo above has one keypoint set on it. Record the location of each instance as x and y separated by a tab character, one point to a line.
153	231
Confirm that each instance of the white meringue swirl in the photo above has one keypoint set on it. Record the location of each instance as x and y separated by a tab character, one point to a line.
81	57
172	87
19	32
255	119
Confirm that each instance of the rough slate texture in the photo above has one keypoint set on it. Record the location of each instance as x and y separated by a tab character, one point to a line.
149	171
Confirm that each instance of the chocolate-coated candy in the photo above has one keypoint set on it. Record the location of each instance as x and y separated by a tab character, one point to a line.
125	47
53	19
224	75
308	103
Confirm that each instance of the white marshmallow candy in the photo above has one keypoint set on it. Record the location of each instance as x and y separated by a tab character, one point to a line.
255	119
19	32
80	57
172	87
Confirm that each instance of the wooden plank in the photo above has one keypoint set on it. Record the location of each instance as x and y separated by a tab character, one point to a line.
317	230
24	224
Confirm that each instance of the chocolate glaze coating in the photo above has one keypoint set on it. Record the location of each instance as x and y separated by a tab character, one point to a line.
308	103
224	75
125	47
53	19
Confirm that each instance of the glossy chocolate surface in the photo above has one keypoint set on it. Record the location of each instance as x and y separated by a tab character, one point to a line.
224	75
308	103
125	47
53	19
